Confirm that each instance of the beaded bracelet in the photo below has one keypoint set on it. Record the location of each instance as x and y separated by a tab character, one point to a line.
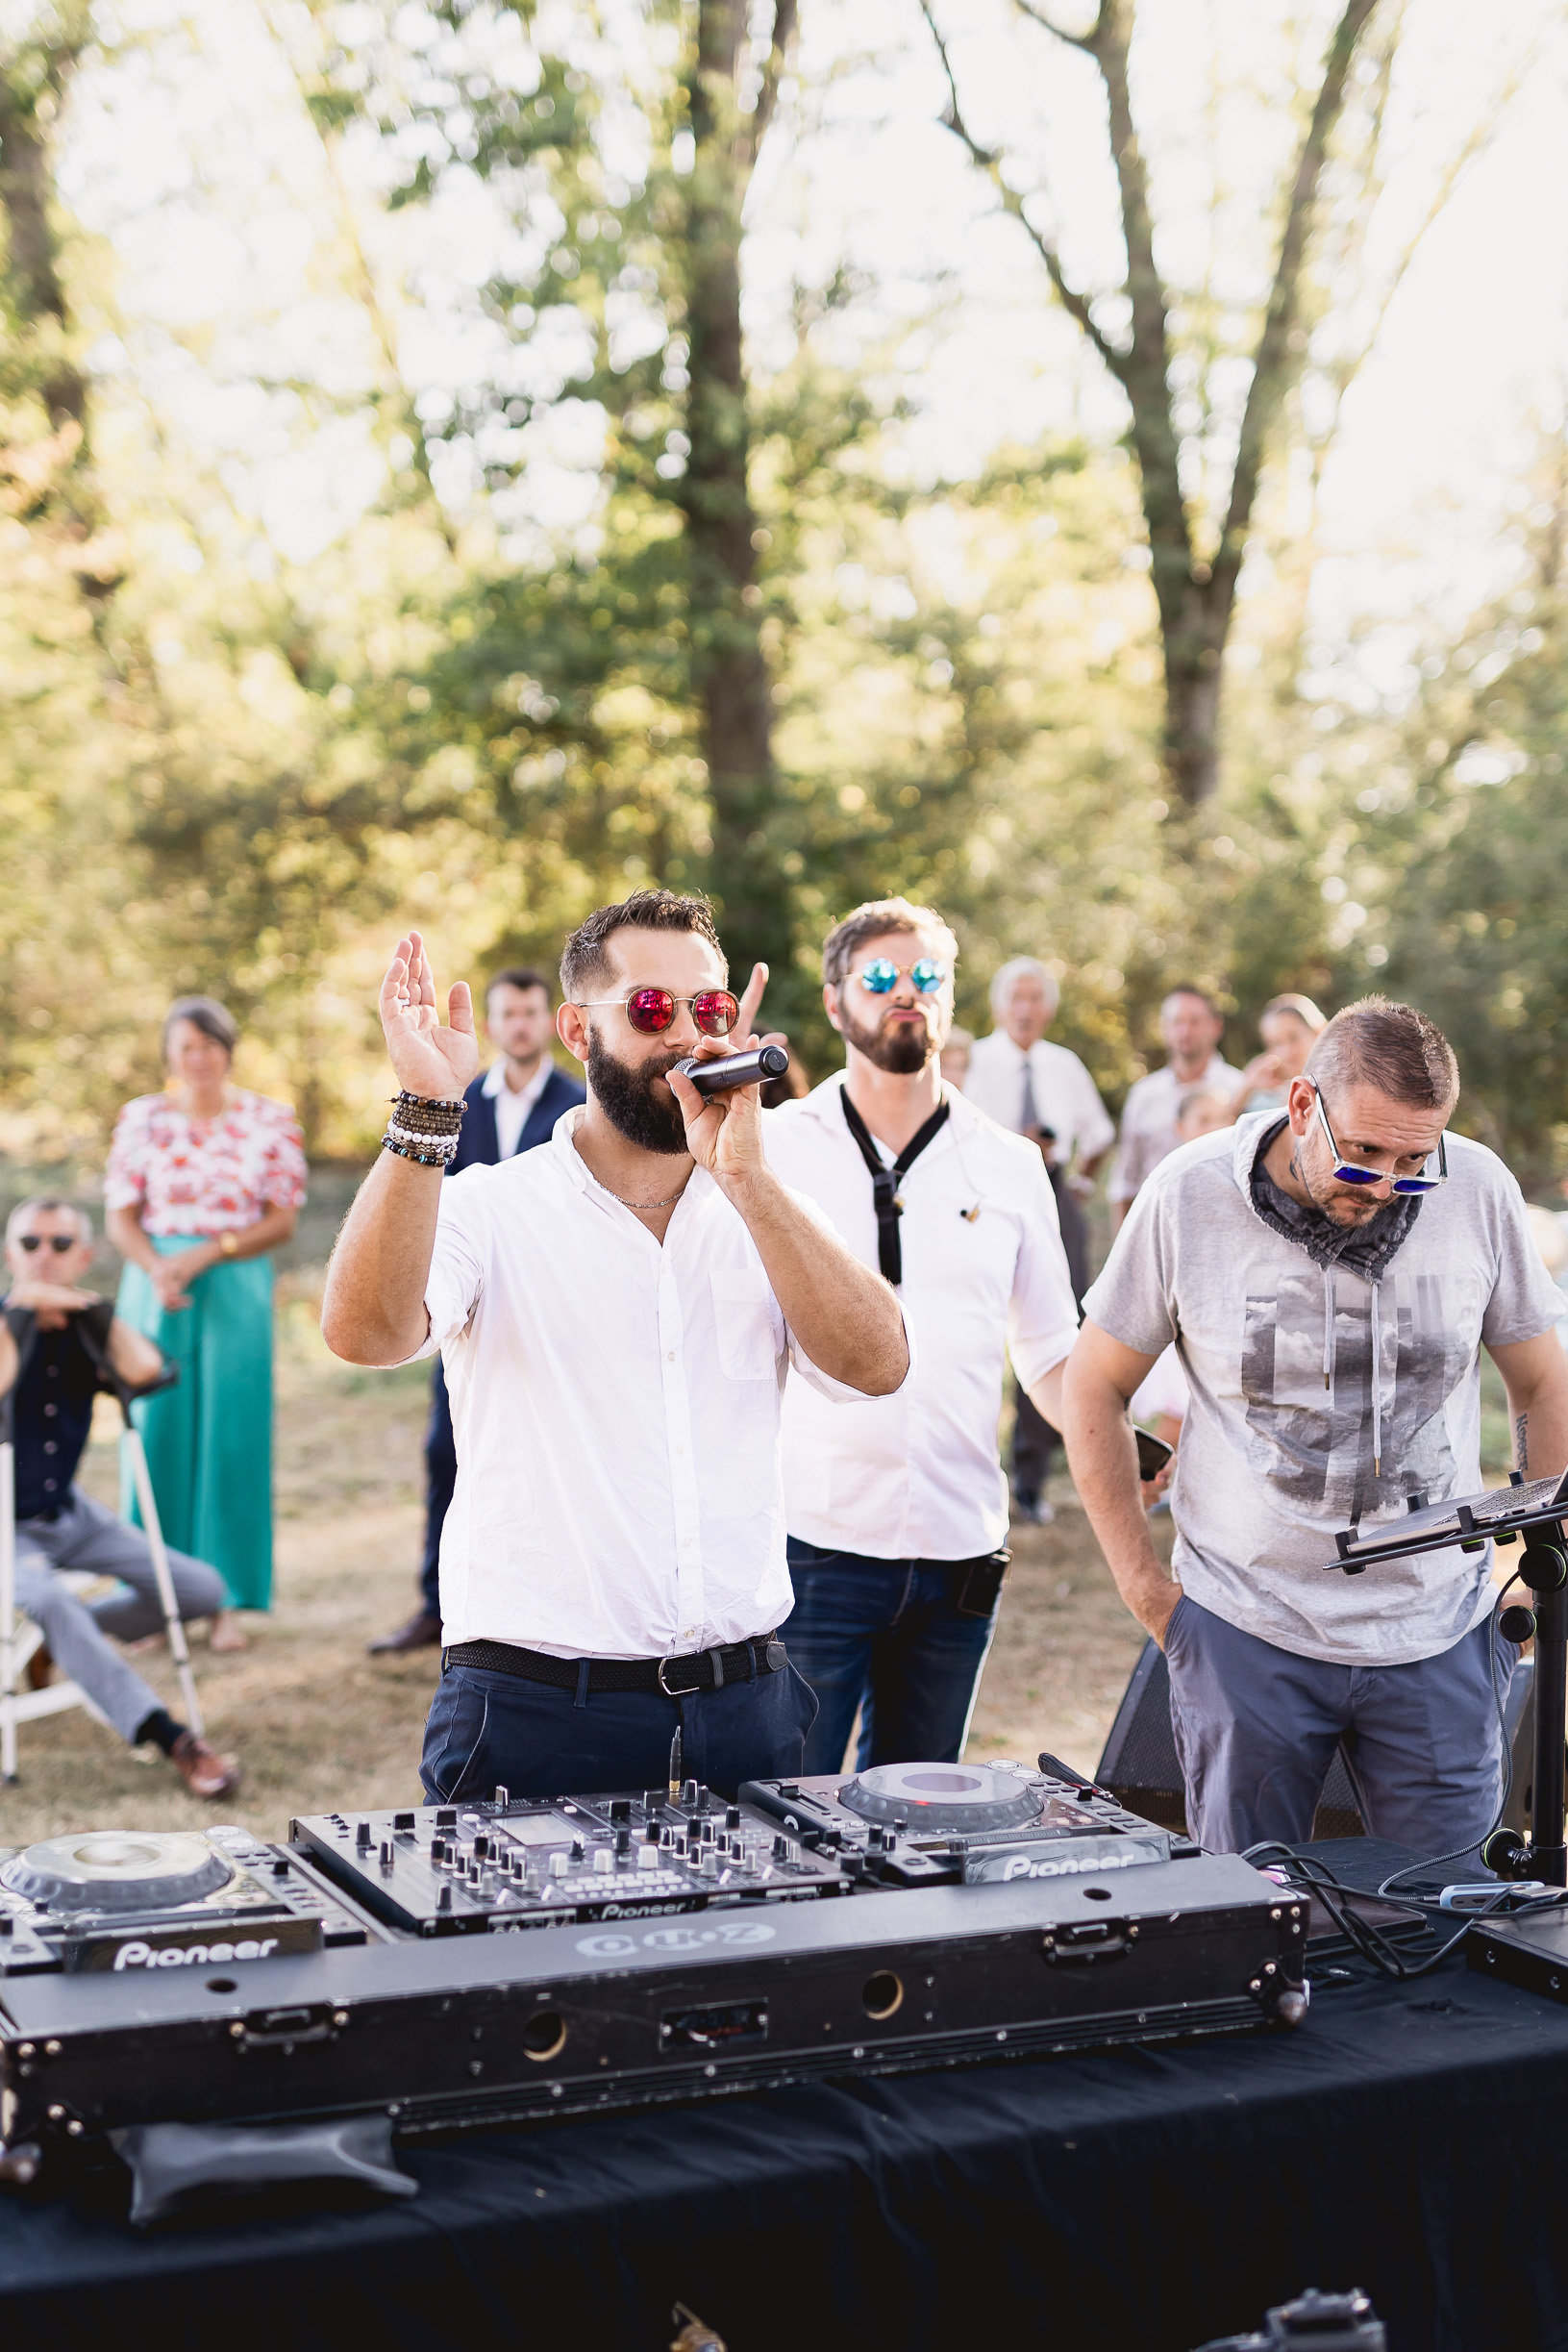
420	1139
427	1114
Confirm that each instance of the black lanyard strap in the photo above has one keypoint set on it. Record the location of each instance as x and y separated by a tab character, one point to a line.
884	1182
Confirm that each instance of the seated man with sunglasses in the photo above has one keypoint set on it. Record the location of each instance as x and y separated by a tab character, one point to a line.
618	1313
1329	1276
58	1345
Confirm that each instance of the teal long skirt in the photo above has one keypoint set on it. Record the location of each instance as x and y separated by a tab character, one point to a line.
209	1438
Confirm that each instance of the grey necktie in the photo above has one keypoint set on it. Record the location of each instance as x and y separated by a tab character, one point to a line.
1029	1113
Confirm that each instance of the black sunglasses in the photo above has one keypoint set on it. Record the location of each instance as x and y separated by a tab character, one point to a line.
58	1242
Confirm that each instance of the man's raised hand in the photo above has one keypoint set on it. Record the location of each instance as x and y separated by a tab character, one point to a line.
428	1060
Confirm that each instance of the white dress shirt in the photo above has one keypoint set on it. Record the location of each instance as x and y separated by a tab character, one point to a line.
1067	1097
616	1406
512	1110
915	1476
1149	1120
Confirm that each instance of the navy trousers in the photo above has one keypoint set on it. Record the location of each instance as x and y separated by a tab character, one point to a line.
440	1477
485	1729
1256	1727
885	1637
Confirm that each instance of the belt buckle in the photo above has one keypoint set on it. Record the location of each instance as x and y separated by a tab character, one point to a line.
663	1685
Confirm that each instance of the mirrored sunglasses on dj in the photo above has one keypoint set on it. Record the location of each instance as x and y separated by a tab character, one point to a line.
653	1010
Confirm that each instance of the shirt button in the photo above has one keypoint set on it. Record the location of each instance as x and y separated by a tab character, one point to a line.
53	1372
49	1486
49	1411
49	1446
669	1356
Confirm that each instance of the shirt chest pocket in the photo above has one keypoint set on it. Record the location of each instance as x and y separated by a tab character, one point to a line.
743	1318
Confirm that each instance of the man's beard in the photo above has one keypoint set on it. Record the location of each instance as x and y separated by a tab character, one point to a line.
1332	1197
624	1091
903	1047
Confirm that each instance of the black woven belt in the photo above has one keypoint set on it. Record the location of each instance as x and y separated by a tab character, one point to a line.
734	1661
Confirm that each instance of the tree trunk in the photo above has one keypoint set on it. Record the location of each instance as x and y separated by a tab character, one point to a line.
729	669
26	197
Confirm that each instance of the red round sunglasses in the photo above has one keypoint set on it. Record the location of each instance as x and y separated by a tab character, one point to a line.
651	1011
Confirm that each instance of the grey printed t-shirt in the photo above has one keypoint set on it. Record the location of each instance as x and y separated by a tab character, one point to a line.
1274	1459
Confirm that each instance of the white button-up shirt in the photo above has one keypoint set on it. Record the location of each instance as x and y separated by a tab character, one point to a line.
915	1476
1149	1120
1067	1097
512	1110
616	1408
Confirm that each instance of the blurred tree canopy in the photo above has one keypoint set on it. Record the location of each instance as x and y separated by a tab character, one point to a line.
639	602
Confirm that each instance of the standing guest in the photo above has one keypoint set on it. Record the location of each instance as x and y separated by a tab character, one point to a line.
619	1314
1042	1091
1191	1027
956	1057
898	1513
1331	1274
512	1107
1290	1026
58	1345
205	1181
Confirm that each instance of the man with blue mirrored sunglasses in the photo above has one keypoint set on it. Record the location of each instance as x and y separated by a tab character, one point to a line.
1330	1275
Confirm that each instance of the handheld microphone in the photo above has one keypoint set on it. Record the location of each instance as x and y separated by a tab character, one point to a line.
735	1069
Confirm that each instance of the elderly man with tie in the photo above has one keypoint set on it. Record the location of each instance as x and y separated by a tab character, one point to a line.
1020	1079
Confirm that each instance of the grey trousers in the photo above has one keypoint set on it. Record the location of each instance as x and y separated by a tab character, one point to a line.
88	1539
1256	1727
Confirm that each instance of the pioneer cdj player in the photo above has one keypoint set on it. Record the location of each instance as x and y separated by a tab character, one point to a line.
455	1966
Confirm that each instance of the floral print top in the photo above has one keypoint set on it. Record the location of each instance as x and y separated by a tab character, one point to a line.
204	1176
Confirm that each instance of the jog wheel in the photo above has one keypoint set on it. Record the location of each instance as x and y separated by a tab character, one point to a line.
964	1798
118	1871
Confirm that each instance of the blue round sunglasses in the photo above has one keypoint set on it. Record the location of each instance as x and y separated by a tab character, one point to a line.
881	975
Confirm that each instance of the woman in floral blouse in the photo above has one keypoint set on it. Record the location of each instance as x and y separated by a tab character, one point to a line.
204	1181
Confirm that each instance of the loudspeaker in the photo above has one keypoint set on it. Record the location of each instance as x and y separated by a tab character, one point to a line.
1139	1766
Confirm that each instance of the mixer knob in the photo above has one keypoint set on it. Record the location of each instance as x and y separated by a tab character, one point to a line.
647	1858
651	1799
690	1795
890	1841
620	1808
438	1849
694	1827
280	1869
732	1816
385	1856
781	1849
443	1901
851	1865
481	1845
558	1865
603	1861
710	1863
362	1837
576	1849
502	1796
650	1833
623	1842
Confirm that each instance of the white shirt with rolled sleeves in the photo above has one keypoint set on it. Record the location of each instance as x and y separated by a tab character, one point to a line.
1066	1098
616	1406
916	1475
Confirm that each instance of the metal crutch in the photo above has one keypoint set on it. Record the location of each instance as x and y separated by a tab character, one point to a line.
152	1529
7	1598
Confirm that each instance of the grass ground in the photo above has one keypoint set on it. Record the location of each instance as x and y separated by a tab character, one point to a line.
319	1725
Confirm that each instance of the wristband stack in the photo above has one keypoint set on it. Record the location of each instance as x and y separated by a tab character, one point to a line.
424	1129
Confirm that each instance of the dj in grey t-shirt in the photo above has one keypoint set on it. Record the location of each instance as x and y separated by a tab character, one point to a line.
1333	1374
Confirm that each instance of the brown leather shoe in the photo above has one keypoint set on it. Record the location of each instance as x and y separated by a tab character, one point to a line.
205	1773
41	1669
421	1633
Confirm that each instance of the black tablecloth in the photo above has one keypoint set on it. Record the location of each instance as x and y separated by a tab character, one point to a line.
1411	2140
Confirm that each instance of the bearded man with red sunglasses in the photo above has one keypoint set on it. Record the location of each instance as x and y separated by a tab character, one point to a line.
1329	1274
618	1314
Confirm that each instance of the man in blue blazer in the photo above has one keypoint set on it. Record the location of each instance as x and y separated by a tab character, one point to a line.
510	1108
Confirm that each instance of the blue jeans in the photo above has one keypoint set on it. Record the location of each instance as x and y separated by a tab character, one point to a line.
1256	1727
887	1638
538	1741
